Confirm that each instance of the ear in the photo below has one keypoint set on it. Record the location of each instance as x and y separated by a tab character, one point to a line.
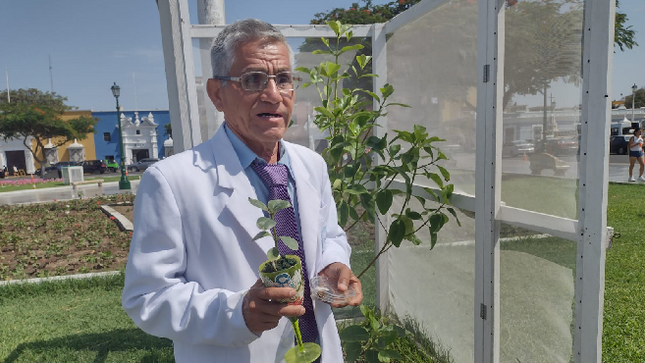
214	89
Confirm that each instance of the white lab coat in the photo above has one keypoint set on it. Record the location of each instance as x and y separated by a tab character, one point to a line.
192	257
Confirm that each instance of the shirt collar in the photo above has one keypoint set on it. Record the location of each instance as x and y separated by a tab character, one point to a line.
246	155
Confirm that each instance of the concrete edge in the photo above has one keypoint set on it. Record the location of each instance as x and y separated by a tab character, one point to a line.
58	278
123	223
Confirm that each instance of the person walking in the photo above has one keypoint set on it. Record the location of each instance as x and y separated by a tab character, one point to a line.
636	154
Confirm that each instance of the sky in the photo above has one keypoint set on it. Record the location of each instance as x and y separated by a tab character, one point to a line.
93	44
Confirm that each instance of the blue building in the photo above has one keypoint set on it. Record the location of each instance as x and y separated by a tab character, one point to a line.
143	135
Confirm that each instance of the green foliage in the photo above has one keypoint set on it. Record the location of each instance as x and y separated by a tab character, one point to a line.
348	116
365	14
32	113
267	225
373	340
624	35
639	99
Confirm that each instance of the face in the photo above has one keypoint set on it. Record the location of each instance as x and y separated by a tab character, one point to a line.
259	118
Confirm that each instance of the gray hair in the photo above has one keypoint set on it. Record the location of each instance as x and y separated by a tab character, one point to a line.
233	36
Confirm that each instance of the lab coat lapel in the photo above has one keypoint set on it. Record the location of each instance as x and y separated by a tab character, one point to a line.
231	177
308	208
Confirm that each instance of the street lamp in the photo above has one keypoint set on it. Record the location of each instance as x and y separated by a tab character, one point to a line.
124	183
634	88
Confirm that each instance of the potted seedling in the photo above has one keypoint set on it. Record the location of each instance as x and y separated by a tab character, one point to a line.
284	271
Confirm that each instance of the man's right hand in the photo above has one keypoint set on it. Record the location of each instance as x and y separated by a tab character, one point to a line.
262	311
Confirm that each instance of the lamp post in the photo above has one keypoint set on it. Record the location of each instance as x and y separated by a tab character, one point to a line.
634	88
124	183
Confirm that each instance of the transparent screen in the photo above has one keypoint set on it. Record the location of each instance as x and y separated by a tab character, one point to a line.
542	99
537	287
435	287
302	131
431	62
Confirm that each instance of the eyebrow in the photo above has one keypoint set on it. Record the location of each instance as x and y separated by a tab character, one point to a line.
279	70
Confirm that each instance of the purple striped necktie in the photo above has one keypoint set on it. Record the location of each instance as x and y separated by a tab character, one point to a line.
275	177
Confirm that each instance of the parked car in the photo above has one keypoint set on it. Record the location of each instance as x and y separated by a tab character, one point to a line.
618	144
562	146
112	165
518	147
58	167
94	166
142	164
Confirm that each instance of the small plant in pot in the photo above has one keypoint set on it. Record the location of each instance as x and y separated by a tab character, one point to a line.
284	271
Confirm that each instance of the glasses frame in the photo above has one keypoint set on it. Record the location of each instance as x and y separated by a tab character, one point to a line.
294	78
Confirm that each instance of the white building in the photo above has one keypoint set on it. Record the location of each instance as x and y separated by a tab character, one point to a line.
139	138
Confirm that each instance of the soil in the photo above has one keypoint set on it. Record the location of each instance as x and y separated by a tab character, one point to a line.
282	263
61	238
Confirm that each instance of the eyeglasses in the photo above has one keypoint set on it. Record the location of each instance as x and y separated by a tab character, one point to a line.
257	81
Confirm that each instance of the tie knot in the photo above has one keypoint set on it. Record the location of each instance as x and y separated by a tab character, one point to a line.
271	174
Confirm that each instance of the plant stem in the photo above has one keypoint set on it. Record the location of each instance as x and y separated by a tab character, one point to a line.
383	250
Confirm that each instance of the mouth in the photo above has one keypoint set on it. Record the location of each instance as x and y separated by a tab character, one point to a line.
269	115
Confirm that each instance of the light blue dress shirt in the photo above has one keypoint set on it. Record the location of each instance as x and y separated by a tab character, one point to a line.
247	156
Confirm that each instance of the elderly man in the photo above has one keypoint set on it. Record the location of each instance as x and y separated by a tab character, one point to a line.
192	272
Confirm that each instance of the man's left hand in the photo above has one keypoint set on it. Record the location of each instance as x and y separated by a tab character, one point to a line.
340	272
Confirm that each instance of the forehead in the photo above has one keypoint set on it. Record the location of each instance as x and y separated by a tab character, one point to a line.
262	55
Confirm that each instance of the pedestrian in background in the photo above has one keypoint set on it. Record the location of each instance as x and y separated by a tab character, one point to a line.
636	154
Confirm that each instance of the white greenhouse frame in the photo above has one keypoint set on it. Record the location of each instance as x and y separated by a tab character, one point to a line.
589	231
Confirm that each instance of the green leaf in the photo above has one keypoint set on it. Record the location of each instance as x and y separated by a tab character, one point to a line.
432	193
357	189
397	232
386	355
397	104
278	205
290	242
413	215
436	222
384	200
371	356
349	35
265	223
414	239
454	214
353	350
354	333
351	47
444	172
387	90
363	60
261	234
433	239
335	26
320	51
343	212
258	204
303	70
325	41
436	178
447	192
332	68
273	253
394	149
324	111
366	311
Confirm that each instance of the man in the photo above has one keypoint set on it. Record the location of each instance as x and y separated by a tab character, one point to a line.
192	272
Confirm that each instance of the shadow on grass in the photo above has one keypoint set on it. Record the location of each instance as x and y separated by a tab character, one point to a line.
119	340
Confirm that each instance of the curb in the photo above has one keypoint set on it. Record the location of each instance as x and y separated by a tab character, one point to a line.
57	278
123	223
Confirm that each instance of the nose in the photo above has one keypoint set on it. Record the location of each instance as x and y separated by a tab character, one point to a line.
271	92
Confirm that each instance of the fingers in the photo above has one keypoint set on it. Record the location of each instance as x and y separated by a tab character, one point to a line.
261	309
344	274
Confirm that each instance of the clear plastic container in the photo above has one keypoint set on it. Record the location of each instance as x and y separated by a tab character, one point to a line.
324	290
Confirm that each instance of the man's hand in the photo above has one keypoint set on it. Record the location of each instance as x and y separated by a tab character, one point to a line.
262	311
346	279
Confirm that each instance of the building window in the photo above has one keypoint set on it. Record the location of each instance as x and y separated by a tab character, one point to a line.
107	136
109	157
138	132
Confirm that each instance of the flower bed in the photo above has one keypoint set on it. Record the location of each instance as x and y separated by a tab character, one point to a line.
18	182
61	238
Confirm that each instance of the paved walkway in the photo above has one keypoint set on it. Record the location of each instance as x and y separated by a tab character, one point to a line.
64	193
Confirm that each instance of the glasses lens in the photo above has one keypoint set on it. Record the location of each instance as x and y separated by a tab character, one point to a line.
254	81
284	81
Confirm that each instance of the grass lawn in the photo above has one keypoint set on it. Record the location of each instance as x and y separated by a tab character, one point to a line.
83	321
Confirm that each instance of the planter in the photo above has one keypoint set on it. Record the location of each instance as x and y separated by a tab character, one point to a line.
291	277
